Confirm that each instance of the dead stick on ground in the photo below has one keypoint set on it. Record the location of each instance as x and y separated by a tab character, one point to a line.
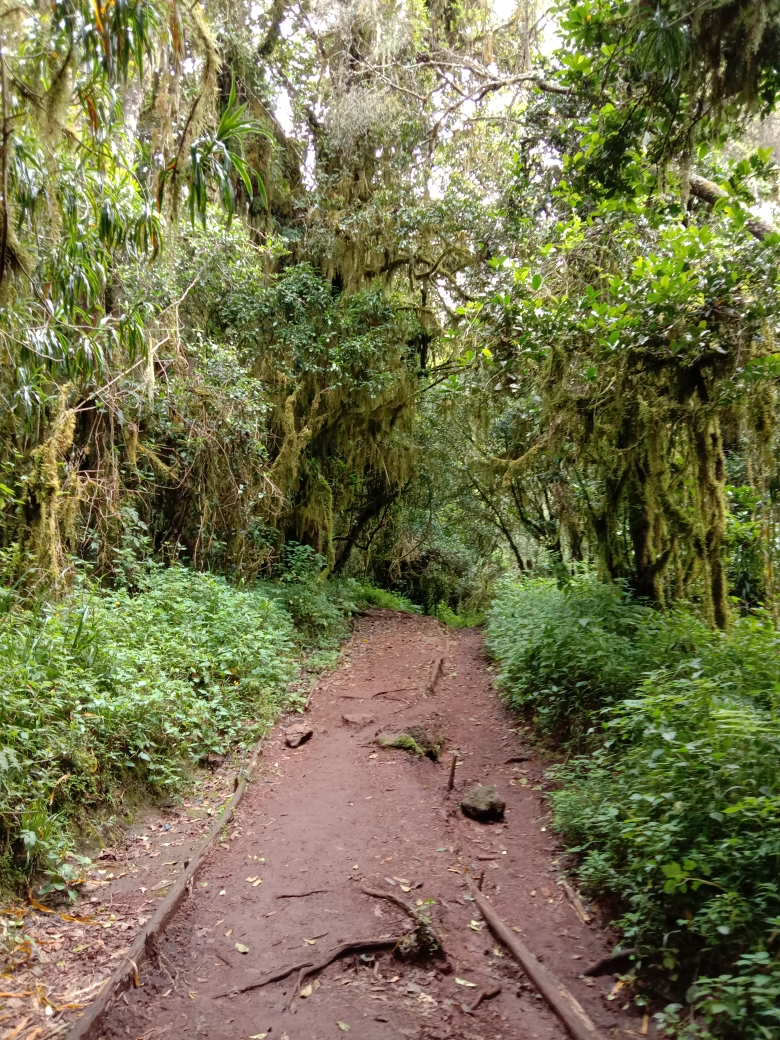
301	895
451	782
574	899
436	670
563	1003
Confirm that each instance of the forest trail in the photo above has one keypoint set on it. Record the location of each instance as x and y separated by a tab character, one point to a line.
339	814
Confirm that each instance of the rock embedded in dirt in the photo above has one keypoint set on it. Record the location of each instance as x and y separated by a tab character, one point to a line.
483	804
357	720
297	735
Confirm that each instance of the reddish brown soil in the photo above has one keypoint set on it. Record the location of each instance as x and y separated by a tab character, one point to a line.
340	813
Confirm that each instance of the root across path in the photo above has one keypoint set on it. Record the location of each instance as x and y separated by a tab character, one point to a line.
346	837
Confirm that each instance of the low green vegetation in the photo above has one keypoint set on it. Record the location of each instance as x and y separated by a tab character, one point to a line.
671	795
111	696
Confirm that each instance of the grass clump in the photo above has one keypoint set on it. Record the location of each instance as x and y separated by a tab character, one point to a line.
110	697
674	807
416	741
457	619
372	596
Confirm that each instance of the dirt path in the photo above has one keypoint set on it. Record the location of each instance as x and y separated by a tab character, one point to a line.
338	814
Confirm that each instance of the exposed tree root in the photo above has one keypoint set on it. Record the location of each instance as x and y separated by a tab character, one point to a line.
609	965
484	994
310	967
426	938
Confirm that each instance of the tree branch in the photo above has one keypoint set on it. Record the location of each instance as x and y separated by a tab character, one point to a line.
710	192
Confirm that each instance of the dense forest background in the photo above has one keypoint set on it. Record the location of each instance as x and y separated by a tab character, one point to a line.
302	302
431	289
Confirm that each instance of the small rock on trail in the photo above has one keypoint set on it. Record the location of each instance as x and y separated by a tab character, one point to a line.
357	720
484	804
297	735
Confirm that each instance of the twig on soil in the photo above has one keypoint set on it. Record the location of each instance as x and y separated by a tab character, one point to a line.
395	689
563	1003
484	994
301	895
436	670
576	903
451	781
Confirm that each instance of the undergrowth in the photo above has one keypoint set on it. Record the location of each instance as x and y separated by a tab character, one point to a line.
672	793
111	696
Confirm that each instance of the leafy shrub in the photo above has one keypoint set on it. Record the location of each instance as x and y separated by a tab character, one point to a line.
372	596
107	693
302	591
567	653
674	810
457	619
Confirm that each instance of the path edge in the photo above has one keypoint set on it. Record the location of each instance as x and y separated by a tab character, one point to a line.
143	948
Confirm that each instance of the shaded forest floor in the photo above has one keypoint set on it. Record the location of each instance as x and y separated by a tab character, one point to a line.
338	814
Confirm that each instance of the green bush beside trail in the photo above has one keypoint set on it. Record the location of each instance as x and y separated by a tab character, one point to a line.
672	795
110	697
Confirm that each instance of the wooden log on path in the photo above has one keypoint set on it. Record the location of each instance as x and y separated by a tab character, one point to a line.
563	1003
145	945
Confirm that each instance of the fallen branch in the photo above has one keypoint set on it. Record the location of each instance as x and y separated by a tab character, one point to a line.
563	1003
709	191
484	994
436	670
576	903
301	895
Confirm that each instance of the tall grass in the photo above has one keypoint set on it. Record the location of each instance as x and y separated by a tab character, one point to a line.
671	799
